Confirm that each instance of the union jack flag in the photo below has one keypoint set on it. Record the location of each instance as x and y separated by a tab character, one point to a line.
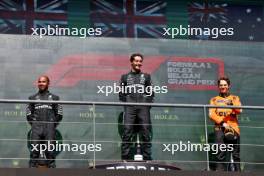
19	16
206	12
129	18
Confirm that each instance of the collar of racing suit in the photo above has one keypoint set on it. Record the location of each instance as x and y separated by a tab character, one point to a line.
224	95
43	92
134	72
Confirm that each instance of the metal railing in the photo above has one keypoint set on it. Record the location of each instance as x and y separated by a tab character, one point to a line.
93	104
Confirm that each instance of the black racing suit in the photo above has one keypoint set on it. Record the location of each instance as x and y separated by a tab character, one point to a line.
141	90
43	119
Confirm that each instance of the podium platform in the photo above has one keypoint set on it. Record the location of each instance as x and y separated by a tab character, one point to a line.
136	165
103	172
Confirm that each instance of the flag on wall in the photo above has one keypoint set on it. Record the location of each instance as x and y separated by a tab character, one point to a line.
19	16
136	18
129	18
246	20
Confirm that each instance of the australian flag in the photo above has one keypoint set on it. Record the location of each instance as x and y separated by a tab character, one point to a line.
246	20
19	16
129	18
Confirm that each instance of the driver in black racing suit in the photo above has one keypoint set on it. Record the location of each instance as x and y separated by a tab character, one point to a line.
138	88
43	119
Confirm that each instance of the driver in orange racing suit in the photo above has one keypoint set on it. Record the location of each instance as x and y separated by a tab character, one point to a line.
226	123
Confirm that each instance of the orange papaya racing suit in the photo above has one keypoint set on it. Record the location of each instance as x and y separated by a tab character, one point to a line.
229	117
221	115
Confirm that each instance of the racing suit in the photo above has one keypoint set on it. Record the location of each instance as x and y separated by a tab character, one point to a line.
228	116
136	87
43	119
